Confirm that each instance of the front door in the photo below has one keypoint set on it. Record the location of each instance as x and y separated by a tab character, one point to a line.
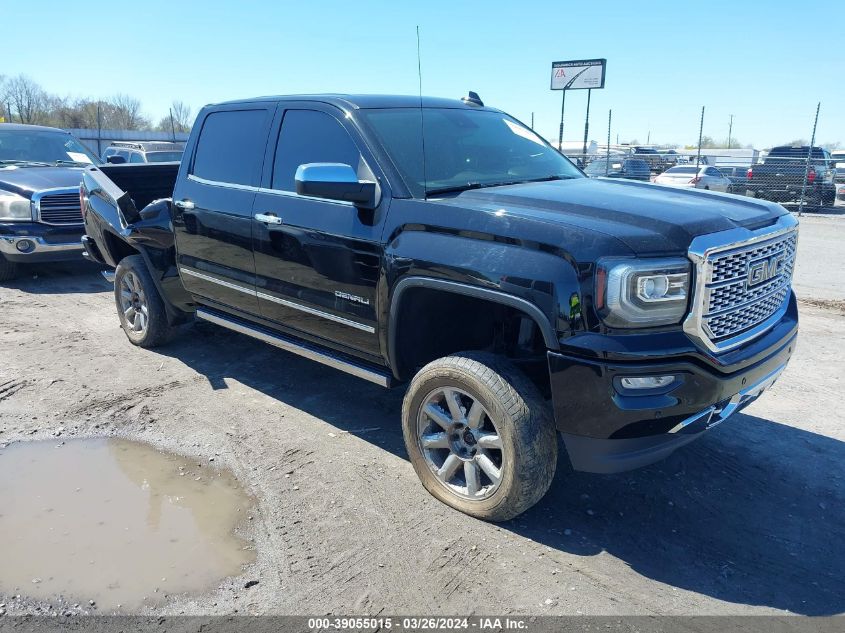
317	261
213	207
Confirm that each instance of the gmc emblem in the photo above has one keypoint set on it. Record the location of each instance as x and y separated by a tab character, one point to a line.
763	270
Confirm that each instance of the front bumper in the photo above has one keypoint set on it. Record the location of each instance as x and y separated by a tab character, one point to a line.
40	242
607	428
33	248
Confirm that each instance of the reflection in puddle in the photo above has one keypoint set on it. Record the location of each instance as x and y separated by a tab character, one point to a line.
116	522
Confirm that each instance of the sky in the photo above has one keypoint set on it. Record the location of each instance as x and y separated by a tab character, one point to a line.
767	62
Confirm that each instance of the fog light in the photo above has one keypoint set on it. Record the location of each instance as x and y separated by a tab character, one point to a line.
25	246
646	382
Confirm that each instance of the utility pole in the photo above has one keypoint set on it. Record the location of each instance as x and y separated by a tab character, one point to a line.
532	120
730	130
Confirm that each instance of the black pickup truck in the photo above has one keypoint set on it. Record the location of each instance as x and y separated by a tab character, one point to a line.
513	297
787	171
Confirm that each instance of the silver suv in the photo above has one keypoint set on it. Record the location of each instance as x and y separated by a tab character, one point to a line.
143	152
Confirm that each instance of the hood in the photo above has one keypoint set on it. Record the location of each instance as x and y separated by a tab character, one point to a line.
25	181
648	218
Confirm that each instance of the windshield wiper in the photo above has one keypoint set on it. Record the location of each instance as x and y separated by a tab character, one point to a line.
25	163
72	162
480	185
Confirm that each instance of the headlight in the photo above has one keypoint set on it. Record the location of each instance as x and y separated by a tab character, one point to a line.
643	292
14	207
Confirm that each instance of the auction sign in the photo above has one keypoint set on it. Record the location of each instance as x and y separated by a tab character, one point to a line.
581	74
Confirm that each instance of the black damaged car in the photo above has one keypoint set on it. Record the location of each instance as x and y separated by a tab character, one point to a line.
512	297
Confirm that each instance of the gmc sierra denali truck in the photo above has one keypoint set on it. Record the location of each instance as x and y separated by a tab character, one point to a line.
444	246
40	218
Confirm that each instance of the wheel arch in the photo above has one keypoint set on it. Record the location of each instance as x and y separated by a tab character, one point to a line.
405	284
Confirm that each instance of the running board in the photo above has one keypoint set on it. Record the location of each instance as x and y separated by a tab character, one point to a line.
312	352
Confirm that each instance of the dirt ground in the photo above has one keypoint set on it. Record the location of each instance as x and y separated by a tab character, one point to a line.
750	519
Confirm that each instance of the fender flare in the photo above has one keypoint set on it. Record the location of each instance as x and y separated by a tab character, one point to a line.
496	296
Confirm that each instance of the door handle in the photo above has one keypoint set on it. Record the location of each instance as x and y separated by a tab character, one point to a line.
268	218
184	204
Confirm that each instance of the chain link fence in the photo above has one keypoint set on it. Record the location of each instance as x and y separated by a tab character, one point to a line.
801	175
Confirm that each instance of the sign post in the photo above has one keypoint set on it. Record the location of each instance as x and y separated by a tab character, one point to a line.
582	74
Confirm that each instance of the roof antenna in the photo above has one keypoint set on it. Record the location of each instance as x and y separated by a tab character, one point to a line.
422	120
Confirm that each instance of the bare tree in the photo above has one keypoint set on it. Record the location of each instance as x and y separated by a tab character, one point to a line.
124	113
181	118
26	98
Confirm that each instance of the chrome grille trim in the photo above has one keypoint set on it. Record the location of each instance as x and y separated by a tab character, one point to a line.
724	312
58	207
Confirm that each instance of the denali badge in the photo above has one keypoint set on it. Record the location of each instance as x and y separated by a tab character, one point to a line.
764	269
345	295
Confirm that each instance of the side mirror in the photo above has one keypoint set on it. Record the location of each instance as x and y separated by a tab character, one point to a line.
114	159
335	181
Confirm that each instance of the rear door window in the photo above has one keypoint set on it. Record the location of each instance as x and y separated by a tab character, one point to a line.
309	136
231	146
136	158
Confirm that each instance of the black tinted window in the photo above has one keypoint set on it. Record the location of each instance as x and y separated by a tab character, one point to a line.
308	136
231	147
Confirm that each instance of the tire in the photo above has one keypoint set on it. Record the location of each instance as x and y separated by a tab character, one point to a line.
140	307
8	270
512	415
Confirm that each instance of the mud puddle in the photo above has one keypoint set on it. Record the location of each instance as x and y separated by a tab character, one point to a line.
117	522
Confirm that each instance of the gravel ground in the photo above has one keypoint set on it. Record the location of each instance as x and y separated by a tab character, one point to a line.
750	519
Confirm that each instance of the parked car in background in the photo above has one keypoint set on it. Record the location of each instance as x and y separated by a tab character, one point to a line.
143	152
651	156
40	216
840	192
738	175
619	167
838	159
702	177
788	170
671	158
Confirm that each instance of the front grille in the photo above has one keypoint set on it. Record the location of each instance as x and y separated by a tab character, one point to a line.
60	208
746	285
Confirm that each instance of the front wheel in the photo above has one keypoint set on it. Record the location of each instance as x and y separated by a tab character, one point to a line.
139	305
480	435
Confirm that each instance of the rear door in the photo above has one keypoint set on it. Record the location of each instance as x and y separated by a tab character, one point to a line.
317	261
213	206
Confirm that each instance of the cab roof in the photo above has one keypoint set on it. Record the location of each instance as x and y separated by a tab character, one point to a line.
365	101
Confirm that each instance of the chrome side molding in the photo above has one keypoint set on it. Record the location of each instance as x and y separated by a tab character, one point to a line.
310	352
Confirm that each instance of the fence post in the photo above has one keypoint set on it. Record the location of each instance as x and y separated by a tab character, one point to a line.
700	132
99	130
807	164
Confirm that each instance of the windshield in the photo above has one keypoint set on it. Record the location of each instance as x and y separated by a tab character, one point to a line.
163	157
464	149
48	147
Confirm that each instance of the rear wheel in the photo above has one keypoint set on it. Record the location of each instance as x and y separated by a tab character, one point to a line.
8	270
139	305
480	435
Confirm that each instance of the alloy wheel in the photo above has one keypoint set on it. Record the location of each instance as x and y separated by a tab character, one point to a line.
460	443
